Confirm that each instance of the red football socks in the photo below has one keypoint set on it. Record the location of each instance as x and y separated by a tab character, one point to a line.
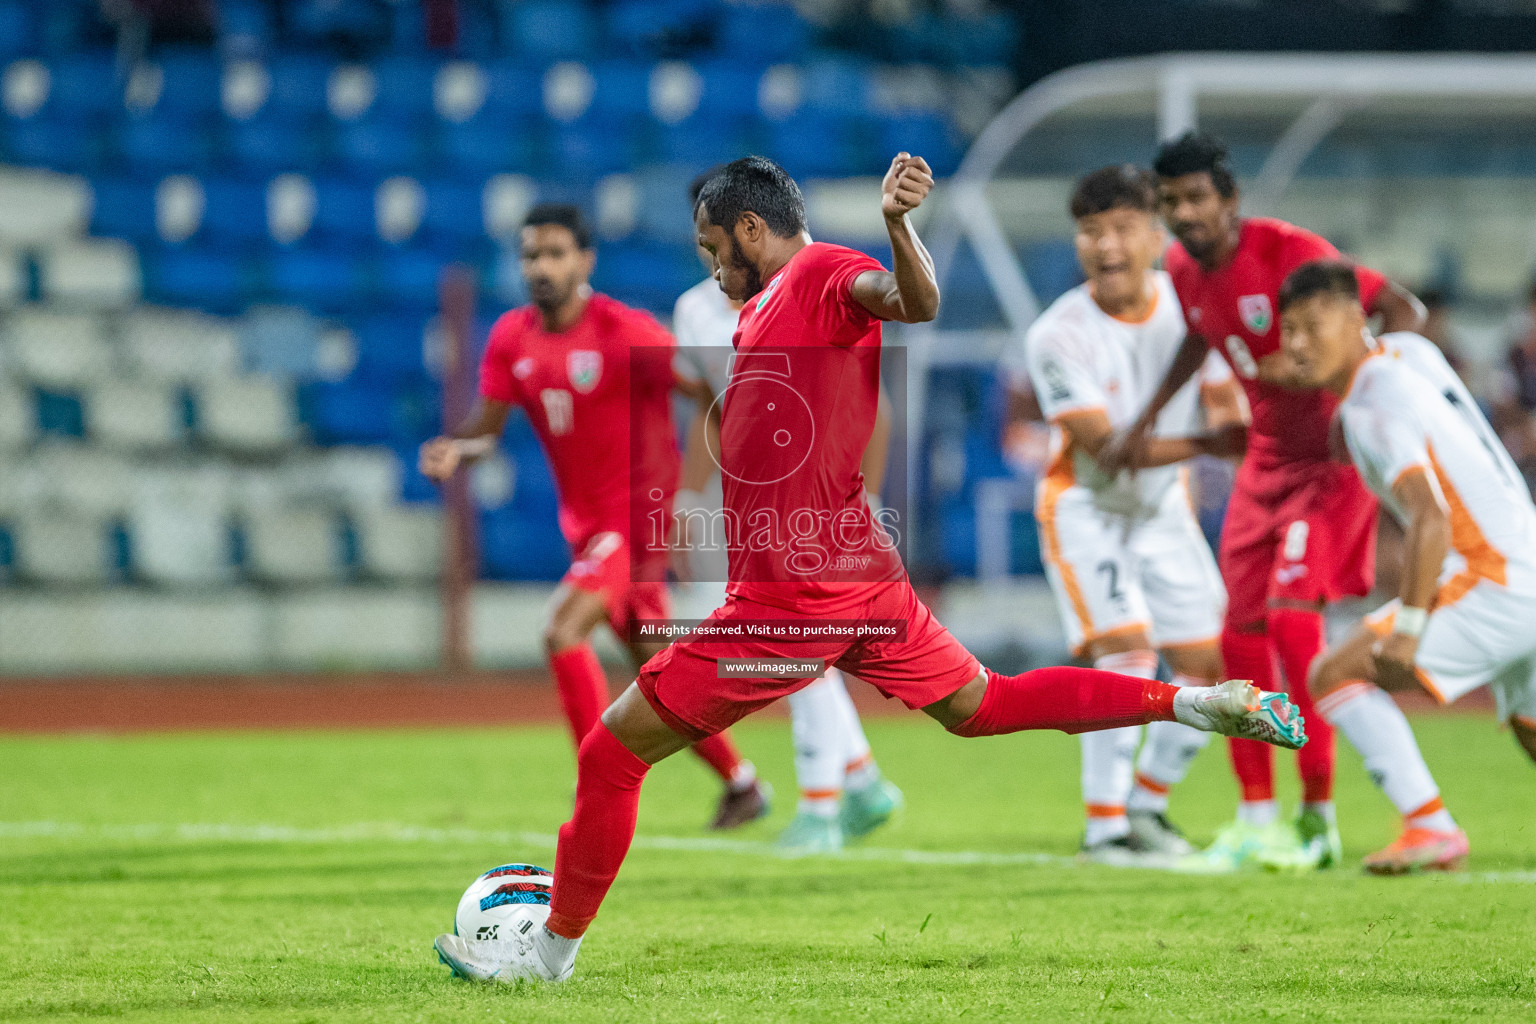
582	687
720	754
1069	699
1248	656
1297	638
596	839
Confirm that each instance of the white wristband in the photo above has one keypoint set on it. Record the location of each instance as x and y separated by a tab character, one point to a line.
1409	621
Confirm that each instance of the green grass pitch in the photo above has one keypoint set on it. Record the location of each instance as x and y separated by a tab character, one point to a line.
301	877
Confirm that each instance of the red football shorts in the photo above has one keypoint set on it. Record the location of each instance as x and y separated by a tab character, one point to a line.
1299	532
683	685
604	568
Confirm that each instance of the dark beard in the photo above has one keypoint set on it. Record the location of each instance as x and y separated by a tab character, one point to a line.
754	279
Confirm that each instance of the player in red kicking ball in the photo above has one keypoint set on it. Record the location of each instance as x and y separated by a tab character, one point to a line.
806	554
1300	528
587	370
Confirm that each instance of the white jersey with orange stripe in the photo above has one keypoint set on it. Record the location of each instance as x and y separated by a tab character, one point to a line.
1078	357
1401	413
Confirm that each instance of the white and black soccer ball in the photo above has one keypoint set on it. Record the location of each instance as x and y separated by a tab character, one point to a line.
501	898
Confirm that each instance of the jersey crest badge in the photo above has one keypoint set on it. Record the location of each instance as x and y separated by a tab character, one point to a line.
584	367
773	286
1255	311
523	367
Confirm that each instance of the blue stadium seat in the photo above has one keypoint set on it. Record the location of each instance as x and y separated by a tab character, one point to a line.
59	143
814	147
656	28
646	274
623	89
235	211
192	82
836	85
405	85
269	143
390	347
730	87
85	85
703	141
593	147
124	207
208	278
928	134
769	32
380	145
490	143
408	278
164	142
554	29
298	85
1052	268
514	87
245	27
325	280
455	211
515	545
18	32
353	410
344	210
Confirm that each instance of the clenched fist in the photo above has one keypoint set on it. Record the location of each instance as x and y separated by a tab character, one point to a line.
439	458
906	185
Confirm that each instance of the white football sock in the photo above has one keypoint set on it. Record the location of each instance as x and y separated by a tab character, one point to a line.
816	726
1323	807
1166	757
1374	723
1258	813
1108	755
743	777
557	951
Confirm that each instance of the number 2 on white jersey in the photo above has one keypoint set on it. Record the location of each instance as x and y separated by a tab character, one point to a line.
559	410
1242	360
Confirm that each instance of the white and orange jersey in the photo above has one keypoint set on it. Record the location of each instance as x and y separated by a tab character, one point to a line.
1078	357
1403	413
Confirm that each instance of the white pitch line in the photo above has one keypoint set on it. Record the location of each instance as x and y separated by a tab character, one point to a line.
374	832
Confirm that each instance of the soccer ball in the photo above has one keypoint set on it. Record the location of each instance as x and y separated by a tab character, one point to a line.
501	898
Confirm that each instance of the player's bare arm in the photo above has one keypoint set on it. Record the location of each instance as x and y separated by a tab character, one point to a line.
1124	449
1091	432
1428	539
474	438
1399	309
909	292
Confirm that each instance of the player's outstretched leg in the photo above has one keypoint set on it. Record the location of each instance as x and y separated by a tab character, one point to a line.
1077	700
610	768
1372	721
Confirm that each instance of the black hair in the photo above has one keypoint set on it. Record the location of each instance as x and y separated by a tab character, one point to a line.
1119	186
697	185
757	184
1320	277
566	216
1193	152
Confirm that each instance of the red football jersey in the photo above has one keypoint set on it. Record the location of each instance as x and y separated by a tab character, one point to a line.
585	389
1236	309
795	420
